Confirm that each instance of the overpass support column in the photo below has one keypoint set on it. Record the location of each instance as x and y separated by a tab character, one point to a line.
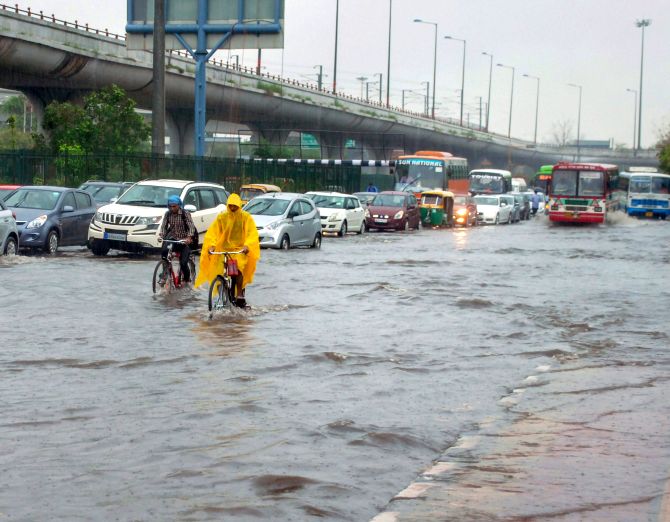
332	145
272	139
181	129
38	105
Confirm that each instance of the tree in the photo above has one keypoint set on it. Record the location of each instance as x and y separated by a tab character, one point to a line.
663	147
107	123
561	132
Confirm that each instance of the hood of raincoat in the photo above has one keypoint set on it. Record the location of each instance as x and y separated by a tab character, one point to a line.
235	200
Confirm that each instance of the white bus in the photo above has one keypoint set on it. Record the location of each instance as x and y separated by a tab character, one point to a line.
647	192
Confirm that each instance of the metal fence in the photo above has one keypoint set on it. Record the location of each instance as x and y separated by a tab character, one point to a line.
30	168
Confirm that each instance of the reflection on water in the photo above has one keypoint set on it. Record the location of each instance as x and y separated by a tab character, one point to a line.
485	349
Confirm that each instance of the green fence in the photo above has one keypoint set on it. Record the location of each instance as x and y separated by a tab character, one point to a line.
29	168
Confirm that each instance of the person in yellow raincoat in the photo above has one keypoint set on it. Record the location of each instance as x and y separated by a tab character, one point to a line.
233	229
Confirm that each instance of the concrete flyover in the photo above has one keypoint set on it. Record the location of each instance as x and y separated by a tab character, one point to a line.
48	59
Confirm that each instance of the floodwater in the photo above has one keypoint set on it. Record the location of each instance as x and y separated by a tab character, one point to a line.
357	367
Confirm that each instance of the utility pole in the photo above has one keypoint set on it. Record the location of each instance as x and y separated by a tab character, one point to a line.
337	24
158	94
641	23
388	60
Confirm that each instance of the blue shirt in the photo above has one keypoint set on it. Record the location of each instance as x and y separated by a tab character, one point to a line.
535	200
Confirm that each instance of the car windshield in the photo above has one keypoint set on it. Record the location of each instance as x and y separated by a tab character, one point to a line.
486	183
249	193
103	193
4	192
267	206
33	198
327	201
148	195
388	200
486	201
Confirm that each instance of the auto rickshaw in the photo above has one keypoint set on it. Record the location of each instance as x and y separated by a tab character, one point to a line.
436	208
251	190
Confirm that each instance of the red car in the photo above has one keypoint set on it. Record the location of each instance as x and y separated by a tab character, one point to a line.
465	210
393	210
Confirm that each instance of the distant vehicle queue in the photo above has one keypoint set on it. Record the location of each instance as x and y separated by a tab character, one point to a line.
431	189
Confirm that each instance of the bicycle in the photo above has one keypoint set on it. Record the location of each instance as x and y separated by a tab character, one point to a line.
165	275
222	288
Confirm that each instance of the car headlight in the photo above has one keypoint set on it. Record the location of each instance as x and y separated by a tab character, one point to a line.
462	211
97	216
37	222
335	217
399	214
149	220
275	224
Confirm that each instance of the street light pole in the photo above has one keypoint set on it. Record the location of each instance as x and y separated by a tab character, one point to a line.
634	120
425	104
362	79
462	73
488	103
380	86
579	118
337	23
641	23
434	24
511	99
537	103
388	60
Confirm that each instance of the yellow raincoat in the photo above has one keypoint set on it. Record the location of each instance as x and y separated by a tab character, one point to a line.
230	231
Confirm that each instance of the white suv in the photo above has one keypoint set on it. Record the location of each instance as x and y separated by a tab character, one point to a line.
131	223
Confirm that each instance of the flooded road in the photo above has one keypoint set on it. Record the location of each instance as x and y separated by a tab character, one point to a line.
358	367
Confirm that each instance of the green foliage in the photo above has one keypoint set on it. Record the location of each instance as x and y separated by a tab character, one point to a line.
664	150
269	87
106	123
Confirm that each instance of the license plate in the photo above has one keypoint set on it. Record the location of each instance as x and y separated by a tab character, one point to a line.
648	214
571	215
381	220
115	237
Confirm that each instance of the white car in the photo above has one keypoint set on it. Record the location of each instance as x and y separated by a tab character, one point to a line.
132	222
9	234
339	212
493	210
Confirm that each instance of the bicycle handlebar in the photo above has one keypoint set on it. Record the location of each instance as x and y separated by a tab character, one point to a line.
227	253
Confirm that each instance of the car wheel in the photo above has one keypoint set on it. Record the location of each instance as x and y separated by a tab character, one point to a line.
52	243
343	229
497	219
362	229
285	242
406	226
317	241
11	248
509	218
100	248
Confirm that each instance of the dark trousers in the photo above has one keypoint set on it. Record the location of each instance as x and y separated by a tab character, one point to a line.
535	210
184	253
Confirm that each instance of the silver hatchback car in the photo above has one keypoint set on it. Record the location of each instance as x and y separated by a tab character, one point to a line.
285	220
9	234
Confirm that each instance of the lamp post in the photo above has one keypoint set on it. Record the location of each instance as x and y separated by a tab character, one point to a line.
634	120
488	103
419	21
367	89
511	98
319	76
462	72
641	23
537	103
337	23
380	86
388	60
237	60
579	118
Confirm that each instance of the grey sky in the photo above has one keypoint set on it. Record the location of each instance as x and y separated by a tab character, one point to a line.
593	43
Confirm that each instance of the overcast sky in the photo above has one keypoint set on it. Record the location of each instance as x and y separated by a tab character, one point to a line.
592	43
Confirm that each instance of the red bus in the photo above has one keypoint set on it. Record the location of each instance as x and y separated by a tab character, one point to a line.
582	192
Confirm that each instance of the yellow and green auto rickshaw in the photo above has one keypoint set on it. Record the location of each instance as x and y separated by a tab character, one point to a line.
437	208
251	190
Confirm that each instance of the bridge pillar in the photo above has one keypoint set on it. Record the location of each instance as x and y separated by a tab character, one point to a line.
181	129
332	145
38	105
274	139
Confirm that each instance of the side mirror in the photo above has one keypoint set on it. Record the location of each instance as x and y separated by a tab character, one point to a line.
503	204
68	208
113	200
190	208
293	213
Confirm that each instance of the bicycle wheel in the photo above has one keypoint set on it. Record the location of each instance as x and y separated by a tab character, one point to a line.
162	277
191	268
218	294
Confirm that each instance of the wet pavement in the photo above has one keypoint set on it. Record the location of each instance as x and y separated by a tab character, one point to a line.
503	373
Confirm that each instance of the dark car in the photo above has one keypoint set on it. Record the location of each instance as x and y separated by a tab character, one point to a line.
104	192
524	202
49	217
465	210
393	210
